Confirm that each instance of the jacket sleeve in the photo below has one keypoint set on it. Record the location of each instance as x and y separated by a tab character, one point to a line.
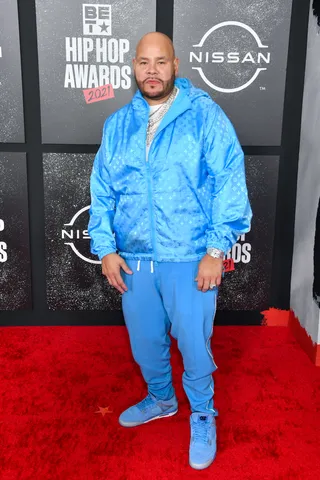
102	208
231	212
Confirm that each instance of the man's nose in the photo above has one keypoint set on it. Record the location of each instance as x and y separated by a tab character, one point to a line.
152	69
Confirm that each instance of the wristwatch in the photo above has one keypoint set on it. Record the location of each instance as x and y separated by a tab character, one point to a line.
215	252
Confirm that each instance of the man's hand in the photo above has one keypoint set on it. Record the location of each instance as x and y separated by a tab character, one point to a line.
111	267
209	272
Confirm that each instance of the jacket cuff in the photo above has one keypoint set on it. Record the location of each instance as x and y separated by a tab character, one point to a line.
106	251
223	244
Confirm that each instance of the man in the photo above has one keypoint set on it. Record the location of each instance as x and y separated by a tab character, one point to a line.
168	200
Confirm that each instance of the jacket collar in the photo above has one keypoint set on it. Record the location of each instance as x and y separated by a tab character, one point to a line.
179	106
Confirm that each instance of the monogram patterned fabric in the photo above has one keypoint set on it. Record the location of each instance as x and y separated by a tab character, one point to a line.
190	195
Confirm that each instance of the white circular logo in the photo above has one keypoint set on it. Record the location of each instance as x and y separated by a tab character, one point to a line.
239	58
77	234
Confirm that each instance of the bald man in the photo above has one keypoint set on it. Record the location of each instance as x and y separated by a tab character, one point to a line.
168	201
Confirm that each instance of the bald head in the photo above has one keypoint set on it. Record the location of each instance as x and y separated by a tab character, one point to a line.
155	67
157	39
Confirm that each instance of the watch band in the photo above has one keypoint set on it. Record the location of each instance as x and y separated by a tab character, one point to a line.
215	252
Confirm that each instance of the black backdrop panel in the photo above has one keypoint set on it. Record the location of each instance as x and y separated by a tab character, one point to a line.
75	282
83	46
11	111
248	286
15	285
223	44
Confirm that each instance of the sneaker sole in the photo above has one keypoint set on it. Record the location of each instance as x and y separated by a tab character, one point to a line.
201	466
135	424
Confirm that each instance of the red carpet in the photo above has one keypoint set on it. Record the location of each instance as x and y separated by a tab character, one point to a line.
54	379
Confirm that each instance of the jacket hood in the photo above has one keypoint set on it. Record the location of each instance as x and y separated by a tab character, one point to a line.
189	89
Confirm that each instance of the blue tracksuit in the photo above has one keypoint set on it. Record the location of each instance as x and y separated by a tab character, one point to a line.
160	213
164	296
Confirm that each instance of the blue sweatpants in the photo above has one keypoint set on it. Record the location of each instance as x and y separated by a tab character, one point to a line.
163	297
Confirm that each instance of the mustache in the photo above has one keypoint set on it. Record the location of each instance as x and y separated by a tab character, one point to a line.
152	78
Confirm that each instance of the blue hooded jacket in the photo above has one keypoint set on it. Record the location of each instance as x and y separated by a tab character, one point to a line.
189	193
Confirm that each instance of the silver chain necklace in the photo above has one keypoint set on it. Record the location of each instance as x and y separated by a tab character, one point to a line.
157	116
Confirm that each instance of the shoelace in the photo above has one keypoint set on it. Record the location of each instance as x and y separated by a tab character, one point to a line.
200	431
145	403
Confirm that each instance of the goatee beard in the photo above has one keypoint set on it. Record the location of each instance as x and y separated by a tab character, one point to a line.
165	92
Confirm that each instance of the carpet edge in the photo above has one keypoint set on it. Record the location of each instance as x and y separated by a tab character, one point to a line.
274	317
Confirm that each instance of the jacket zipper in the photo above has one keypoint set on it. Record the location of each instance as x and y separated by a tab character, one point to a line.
151	204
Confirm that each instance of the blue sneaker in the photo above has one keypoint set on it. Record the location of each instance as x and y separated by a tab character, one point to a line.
203	442
148	409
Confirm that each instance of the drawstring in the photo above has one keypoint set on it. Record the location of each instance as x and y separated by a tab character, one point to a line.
151	266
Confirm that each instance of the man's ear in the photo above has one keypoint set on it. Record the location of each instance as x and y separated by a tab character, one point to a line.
176	63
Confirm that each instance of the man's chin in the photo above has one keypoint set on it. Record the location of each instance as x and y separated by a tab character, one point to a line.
154	94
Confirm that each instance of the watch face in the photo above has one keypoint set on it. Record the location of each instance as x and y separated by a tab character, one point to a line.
215	252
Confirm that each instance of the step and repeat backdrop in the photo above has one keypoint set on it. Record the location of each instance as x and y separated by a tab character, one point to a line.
237	53
15	282
11	110
83	46
74	279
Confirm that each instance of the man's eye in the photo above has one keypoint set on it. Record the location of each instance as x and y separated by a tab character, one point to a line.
143	63
162	63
